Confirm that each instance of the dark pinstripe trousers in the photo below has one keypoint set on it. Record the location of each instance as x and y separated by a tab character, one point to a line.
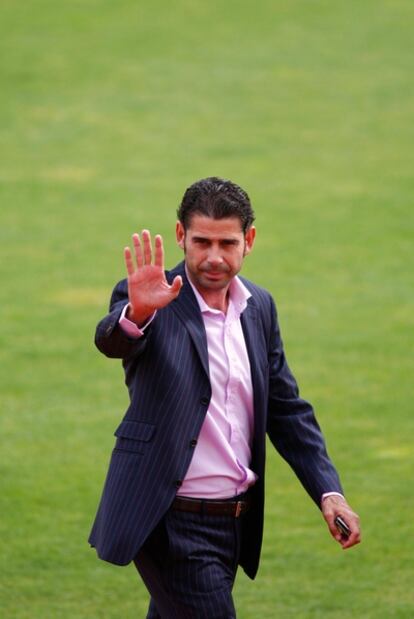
189	564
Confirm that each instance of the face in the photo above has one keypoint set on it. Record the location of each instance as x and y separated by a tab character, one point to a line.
214	250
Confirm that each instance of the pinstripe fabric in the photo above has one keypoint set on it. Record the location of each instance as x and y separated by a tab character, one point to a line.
166	372
189	564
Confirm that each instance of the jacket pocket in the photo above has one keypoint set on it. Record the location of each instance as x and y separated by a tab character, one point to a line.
134	436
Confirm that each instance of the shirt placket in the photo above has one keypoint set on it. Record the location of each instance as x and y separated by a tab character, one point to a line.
233	382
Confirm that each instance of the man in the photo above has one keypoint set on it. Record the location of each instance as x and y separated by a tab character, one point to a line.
207	378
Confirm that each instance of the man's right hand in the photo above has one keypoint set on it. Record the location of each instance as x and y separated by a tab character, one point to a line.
148	289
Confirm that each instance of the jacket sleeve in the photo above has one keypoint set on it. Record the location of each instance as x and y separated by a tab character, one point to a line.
292	426
110	338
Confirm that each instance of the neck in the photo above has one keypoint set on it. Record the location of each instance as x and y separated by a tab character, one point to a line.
216	299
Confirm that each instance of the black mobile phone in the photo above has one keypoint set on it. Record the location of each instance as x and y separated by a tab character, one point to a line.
342	527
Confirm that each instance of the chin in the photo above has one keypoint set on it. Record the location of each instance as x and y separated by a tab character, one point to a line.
215	284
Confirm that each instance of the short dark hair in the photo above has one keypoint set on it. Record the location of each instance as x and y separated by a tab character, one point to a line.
216	198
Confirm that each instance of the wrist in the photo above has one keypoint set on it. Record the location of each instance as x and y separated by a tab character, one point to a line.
139	317
336	497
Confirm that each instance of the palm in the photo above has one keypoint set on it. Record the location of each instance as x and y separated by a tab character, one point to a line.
148	286
148	289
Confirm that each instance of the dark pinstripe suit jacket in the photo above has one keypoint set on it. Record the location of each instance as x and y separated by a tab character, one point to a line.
167	376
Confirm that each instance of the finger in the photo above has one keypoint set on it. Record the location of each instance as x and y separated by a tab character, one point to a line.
329	516
128	261
146	239
159	252
138	250
333	529
353	540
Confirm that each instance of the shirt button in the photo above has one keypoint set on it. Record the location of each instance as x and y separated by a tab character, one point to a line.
178	483
205	401
193	442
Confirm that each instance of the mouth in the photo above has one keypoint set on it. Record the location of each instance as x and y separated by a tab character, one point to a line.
214	274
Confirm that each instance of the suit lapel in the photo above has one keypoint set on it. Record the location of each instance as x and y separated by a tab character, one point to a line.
250	325
188	311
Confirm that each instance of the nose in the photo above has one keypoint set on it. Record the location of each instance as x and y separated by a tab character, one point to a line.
214	257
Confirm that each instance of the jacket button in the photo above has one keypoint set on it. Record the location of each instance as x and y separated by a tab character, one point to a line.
204	401
193	442
178	483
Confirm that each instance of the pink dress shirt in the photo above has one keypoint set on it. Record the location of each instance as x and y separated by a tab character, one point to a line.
219	468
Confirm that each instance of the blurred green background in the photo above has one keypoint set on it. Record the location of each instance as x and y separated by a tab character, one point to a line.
108	111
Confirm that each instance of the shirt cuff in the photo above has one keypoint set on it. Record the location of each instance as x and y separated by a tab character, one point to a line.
131	328
326	494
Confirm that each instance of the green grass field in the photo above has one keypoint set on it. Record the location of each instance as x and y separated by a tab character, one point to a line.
108	111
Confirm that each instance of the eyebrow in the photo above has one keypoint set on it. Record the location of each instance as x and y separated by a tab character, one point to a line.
205	239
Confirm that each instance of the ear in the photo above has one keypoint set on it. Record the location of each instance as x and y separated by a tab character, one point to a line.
180	234
249	238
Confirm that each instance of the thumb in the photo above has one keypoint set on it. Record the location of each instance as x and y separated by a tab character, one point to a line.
176	285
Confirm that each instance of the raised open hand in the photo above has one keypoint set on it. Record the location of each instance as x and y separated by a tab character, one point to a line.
148	289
